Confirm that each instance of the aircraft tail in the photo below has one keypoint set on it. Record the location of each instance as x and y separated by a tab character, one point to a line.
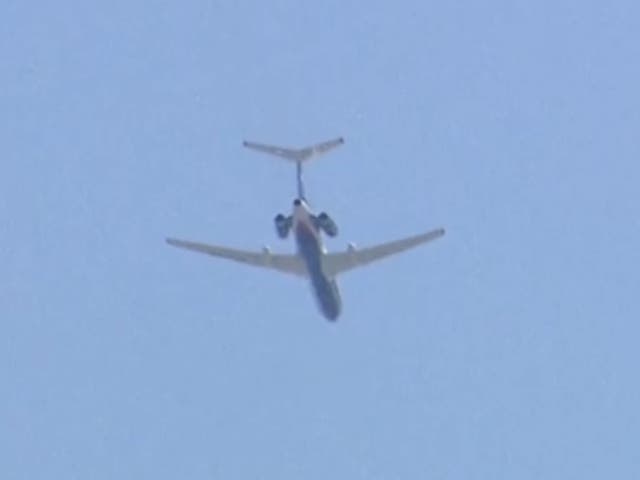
296	155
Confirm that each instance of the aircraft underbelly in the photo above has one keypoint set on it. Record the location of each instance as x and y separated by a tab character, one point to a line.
325	288
327	296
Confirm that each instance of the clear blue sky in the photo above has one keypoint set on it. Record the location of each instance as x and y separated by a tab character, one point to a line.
508	349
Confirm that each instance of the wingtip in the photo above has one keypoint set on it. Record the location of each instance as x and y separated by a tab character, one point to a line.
437	233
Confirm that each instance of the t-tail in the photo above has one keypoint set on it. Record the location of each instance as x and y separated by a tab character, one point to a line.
297	156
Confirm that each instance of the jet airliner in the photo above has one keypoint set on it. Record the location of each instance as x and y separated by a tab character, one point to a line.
311	261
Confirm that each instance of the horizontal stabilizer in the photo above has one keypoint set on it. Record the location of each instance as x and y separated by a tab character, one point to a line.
296	155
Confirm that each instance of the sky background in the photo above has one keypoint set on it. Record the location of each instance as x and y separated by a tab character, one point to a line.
507	349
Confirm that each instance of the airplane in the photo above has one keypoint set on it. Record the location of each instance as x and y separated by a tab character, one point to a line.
311	260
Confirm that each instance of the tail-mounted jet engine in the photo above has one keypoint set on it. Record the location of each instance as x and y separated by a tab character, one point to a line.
326	224
283	225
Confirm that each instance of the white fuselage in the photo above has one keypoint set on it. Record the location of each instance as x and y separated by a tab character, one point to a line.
311	250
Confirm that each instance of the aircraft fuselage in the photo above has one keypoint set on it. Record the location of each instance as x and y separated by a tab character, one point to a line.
310	248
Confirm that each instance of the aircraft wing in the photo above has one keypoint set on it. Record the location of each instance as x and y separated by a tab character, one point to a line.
335	263
295	155
282	263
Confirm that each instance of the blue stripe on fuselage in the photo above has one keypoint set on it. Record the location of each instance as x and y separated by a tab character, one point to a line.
325	289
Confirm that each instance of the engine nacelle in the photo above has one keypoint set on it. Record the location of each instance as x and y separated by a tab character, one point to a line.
326	224
283	225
